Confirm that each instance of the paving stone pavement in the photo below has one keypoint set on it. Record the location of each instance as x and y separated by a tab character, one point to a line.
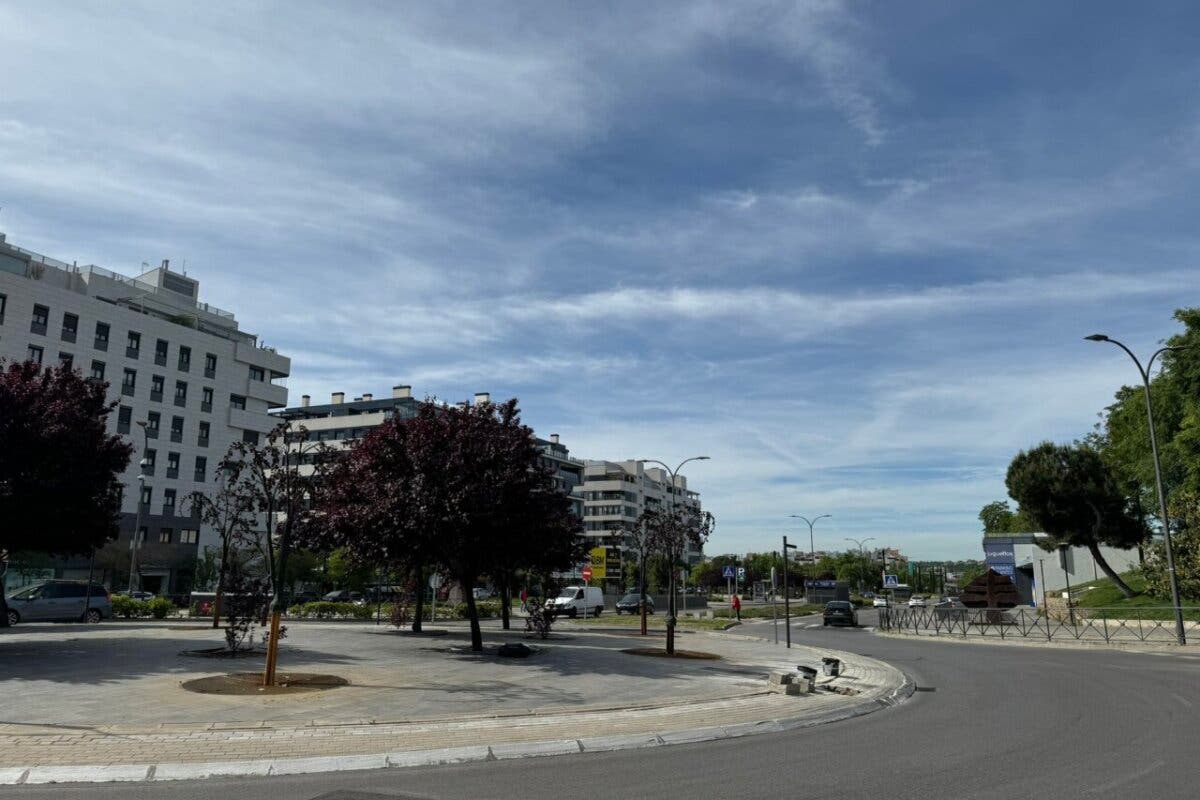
731	700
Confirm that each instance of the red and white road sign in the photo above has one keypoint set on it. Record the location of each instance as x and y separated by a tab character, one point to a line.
587	573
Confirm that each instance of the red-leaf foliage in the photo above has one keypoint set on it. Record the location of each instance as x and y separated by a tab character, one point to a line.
456	488
59	466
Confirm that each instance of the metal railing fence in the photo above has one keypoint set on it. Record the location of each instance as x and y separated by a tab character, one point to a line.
1154	624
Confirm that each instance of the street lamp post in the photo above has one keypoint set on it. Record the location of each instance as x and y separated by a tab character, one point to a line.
671	609
812	547
137	524
861	543
1162	497
787	609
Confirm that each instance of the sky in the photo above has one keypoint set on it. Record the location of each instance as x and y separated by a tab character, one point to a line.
848	251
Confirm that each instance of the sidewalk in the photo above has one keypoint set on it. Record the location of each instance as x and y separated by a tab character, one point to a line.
724	698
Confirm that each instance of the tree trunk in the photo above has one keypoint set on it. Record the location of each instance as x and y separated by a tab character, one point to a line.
472	614
1094	549
277	603
505	600
419	572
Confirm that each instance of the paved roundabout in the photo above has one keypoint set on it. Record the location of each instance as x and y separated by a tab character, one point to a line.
985	722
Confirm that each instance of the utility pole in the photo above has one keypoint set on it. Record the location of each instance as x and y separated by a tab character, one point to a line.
134	544
787	608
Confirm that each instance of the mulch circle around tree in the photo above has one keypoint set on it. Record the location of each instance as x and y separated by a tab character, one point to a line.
223	652
693	655
250	683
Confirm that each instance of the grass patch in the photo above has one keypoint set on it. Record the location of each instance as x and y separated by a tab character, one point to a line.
764	612
654	622
1106	601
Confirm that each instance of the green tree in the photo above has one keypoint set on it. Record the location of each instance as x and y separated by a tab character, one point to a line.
1073	495
1185	516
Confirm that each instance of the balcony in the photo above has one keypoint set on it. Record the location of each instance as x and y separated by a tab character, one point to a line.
201	441
181	401
250	421
160	359
199	476
271	362
206	407
68	335
156	396
122	427
275	396
127	389
172	472
148	470
210	372
168	510
177	436
37	327
100	344
132	352
151	433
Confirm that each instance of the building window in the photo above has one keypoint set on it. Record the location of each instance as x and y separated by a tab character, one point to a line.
257	374
202	438
133	344
156	387
237	401
185	359
129	381
152	421
160	352
206	399
176	429
201	469
34	354
142	533
169	502
97	370
172	465
181	394
124	413
210	365
164	535
70	327
147	495
250	437
189	536
67	360
3	306
101	342
41	318
149	461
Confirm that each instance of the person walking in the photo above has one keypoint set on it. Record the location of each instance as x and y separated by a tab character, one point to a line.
737	606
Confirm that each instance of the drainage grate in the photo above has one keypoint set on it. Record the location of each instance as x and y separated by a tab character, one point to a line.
925	689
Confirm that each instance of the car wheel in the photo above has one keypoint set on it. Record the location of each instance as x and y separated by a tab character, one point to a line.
13	617
826	622
93	616
599	611
572	613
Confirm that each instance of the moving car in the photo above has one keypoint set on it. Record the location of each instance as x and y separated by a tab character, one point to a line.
343	596
840	612
950	609
916	602
59	601
880	602
629	604
577	601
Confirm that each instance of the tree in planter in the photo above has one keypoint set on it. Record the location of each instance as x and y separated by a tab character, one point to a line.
229	512
267	478
671	531
1070	492
59	488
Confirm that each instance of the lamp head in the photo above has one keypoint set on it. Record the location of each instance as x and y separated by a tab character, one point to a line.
1096	337
142	423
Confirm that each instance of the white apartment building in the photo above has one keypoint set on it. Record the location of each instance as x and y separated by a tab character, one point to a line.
188	382
615	493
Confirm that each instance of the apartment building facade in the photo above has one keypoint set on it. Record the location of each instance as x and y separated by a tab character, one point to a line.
188	383
615	493
339	423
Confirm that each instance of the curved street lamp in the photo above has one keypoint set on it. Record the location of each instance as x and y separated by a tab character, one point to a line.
671	583
1162	497
861	543
812	548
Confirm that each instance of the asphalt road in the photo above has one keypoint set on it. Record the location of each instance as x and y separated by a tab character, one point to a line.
986	722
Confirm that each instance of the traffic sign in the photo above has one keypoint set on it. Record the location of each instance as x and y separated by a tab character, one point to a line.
890	581
741	573
587	573
435	581
727	573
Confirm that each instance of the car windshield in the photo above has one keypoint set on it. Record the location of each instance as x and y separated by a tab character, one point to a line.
570	591
629	598
838	605
26	594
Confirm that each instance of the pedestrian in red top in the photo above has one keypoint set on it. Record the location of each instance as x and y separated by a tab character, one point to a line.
737	607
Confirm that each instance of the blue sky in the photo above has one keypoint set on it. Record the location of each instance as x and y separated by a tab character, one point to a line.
847	250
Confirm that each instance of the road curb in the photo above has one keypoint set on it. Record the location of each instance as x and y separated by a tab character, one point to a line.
143	773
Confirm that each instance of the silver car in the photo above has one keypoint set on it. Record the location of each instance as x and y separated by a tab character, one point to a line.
59	601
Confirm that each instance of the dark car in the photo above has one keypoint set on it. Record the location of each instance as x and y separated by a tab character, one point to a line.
343	596
629	604
840	612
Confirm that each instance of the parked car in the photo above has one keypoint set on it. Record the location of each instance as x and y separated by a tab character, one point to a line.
575	601
343	596
299	598
916	602
880	602
59	601
138	595
482	593
629	604
840	612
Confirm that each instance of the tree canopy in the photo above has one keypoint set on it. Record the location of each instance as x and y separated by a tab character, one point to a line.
1072	494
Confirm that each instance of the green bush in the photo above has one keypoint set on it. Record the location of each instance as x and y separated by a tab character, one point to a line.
127	607
322	609
159	607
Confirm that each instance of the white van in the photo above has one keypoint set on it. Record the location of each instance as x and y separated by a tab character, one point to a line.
575	601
